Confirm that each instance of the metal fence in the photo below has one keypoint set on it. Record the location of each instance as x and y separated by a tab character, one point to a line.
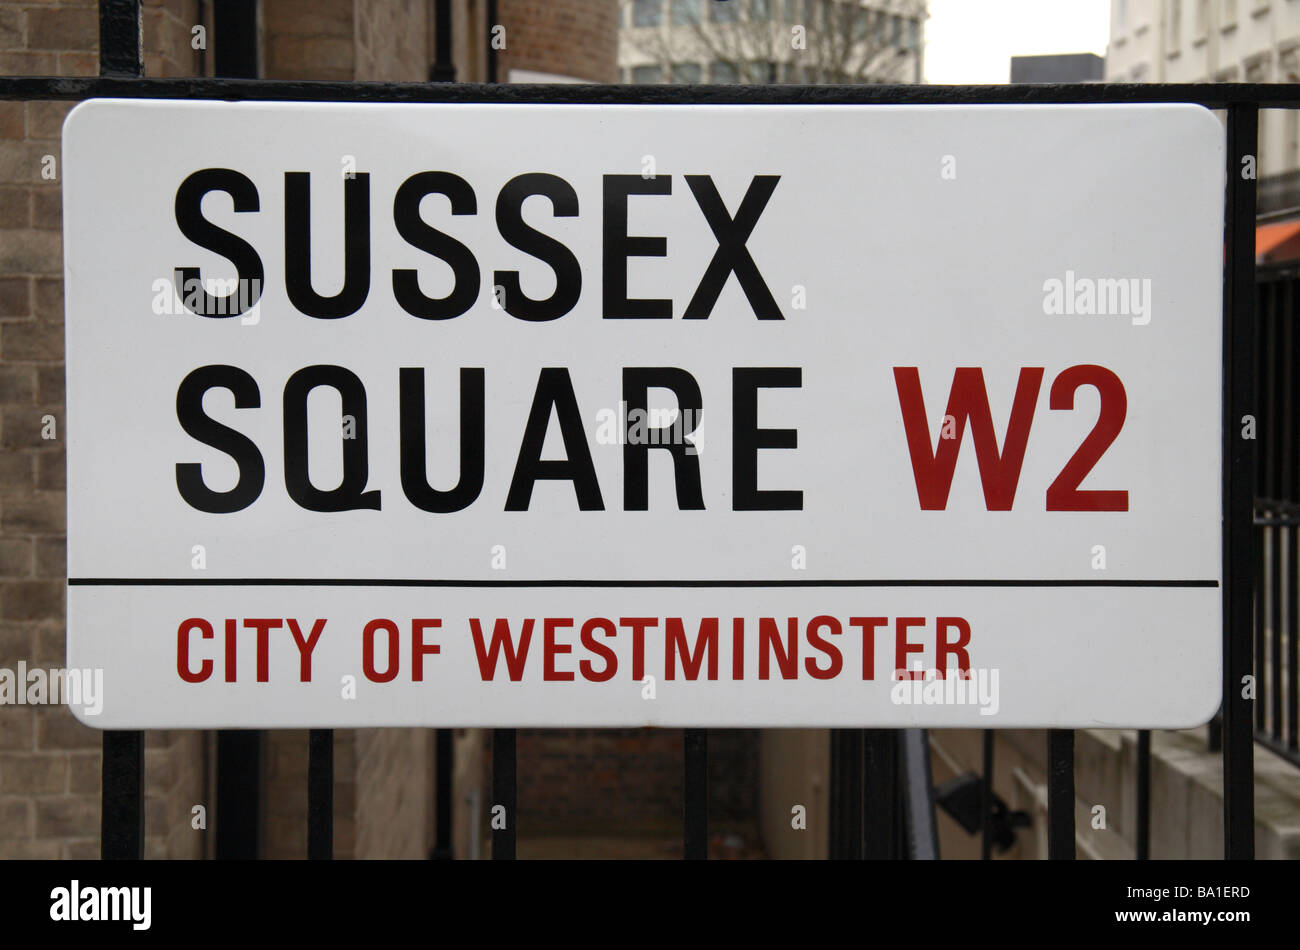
880	791
1277	511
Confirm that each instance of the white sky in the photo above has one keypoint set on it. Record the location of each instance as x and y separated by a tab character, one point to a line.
972	41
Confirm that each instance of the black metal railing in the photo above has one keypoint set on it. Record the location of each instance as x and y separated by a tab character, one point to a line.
1277	512
866	822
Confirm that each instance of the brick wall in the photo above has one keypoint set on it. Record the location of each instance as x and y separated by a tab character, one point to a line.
393	40
308	39
577	781
50	763
577	38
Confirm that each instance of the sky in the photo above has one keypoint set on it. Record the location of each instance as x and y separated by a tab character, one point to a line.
972	41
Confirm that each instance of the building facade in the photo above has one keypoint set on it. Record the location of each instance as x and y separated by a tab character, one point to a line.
1214	41
769	41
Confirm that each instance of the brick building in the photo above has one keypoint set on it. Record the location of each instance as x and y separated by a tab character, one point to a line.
50	763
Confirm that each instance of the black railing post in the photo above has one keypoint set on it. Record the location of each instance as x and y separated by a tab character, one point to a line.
1239	482
504	795
320	795
234	41
443	69
1143	834
121	814
493	64
922	833
122	770
878	793
986	799
695	795
120	41
239	786
442	767
846	794
1060	794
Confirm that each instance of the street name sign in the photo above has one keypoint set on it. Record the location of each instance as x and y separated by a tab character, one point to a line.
664	415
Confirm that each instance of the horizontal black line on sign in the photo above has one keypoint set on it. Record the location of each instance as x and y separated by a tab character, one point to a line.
439	582
1212	95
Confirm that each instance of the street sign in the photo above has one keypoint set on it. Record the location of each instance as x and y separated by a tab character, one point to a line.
543	415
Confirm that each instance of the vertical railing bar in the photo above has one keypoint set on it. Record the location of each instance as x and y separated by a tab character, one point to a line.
235	35
1272	450
1275	635
695	794
1143	833
493	64
442	768
320	795
921	832
1259	613
1060	794
986	799
1292	489
1292	632
836	803
504	794
120	38
853	774
122	796
878	775
239	784
443	68
122	770
1238	480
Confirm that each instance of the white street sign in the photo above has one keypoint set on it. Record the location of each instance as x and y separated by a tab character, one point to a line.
541	415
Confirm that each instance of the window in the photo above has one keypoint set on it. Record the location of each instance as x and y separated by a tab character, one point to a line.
761	10
722	73
726	11
791	10
1202	24
1175	24
861	24
687	72
1258	68
895	31
647	12
1228	9
912	40
686	12
647	75
760	73
1288	63
1121	12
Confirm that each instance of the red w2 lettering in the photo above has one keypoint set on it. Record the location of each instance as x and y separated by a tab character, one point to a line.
1000	468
